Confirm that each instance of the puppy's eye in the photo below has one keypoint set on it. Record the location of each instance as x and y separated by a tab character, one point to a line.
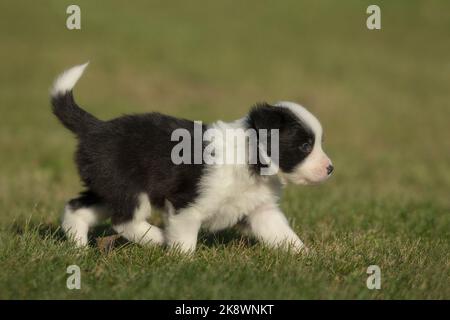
306	147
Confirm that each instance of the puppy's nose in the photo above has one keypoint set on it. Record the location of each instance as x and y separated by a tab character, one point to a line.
330	169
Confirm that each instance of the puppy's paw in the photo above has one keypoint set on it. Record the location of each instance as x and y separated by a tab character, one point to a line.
295	246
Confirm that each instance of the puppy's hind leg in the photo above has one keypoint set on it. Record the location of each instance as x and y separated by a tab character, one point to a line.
138	230
80	214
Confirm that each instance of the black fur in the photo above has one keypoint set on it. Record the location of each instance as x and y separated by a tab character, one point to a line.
72	116
293	134
86	199
124	157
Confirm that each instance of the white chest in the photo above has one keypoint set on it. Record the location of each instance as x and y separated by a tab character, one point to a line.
230	194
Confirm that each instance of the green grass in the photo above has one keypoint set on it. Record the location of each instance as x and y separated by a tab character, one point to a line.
382	97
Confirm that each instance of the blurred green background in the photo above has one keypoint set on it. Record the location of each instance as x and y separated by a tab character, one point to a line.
382	97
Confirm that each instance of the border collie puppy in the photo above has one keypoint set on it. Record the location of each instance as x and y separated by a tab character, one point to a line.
127	168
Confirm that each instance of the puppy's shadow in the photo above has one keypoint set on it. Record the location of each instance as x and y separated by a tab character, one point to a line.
44	230
104	231
225	238
54	232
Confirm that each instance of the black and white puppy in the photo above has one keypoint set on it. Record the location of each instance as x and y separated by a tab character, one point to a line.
127	167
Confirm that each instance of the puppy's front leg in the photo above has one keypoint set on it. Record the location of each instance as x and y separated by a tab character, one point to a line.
268	224
182	229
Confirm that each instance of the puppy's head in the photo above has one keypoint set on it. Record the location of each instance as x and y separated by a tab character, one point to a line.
301	157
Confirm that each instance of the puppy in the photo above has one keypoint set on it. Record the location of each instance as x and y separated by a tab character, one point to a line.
129	165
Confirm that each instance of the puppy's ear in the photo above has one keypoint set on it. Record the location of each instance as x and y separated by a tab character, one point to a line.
265	116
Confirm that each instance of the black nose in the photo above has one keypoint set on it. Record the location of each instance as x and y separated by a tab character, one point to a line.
330	169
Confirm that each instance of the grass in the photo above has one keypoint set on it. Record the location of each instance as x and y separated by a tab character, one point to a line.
382	97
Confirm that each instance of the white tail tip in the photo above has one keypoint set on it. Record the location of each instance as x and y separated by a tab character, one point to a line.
67	80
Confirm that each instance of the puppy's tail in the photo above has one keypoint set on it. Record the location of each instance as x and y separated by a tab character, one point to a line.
64	106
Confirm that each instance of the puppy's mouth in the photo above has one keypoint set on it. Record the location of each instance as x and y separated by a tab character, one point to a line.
308	181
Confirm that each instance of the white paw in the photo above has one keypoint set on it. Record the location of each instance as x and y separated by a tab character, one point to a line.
182	247
296	246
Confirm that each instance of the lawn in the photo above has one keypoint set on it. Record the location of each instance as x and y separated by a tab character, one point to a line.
382	97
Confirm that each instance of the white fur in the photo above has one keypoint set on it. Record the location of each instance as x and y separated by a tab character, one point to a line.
76	223
138	230
182	229
269	225
67	80
306	116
